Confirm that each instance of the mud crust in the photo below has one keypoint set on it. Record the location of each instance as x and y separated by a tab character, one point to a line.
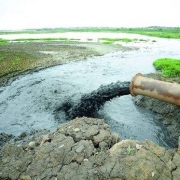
84	148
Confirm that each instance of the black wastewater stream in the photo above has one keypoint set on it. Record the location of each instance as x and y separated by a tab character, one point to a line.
93	88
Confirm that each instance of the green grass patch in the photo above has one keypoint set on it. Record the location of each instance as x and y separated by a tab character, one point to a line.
89	39
143	40
126	40
74	39
16	60
62	39
169	67
112	40
3	41
107	42
12	61
173	33
41	39
109	39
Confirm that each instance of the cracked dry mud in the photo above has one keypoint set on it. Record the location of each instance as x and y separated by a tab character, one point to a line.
84	148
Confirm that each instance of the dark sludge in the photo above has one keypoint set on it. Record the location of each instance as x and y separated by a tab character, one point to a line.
91	103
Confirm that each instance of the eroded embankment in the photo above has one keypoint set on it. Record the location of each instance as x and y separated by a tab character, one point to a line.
167	113
84	148
25	57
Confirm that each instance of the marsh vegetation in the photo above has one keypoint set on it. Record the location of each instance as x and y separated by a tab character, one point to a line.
113	40
26	56
168	66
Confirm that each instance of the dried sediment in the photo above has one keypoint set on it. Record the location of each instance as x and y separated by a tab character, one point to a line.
84	148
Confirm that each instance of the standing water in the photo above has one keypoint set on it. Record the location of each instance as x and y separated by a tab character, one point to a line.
31	101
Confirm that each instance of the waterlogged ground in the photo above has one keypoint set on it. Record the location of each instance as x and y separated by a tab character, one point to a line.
30	102
21	57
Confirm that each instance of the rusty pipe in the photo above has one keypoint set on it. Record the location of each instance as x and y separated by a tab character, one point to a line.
164	91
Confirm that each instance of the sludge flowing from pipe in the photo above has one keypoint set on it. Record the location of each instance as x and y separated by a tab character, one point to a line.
140	85
91	103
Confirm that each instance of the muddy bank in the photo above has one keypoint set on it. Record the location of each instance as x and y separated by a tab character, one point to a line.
84	148
167	113
20	58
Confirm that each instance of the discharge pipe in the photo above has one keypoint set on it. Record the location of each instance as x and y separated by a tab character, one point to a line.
164	91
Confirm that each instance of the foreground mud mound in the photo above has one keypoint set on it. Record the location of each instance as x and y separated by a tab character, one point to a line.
84	148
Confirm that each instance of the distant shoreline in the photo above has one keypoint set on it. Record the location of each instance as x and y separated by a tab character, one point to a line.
155	31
